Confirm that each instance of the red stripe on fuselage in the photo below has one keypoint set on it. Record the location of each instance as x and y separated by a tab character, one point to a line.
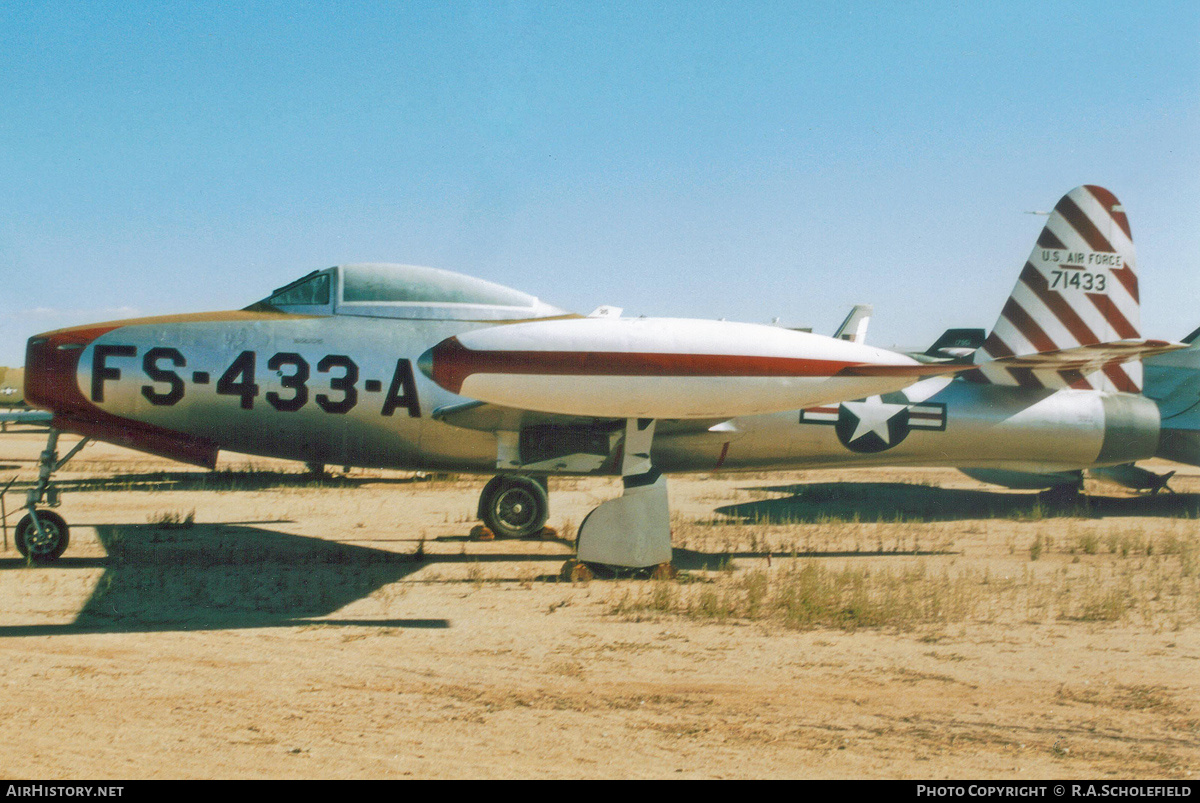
453	363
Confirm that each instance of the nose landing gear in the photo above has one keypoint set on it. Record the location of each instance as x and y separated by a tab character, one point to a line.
41	535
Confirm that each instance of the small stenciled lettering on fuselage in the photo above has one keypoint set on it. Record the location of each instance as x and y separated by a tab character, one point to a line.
332	383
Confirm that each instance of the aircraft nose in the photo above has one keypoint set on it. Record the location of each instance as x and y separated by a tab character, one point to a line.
51	367
425	363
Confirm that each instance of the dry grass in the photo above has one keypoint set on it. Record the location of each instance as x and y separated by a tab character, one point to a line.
806	594
172	519
811	593
895	573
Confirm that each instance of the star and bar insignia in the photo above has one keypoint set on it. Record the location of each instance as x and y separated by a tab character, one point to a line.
873	425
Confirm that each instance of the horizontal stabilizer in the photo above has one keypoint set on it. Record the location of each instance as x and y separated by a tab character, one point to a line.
1069	367
1066	364
957	343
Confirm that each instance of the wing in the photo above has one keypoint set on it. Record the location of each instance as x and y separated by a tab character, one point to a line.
534	441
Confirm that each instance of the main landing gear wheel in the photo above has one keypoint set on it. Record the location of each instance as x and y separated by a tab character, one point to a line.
47	545
514	507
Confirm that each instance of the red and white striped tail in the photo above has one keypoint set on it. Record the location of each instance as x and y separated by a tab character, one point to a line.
1079	288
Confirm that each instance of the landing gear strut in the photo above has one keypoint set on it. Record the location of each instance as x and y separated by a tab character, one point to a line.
42	535
513	506
622	536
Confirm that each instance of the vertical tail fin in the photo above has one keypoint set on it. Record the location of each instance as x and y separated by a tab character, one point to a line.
854	328
1078	288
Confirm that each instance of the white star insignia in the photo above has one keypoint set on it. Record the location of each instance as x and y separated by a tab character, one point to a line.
873	416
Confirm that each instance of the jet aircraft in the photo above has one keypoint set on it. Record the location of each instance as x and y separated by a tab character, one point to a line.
396	366
12	400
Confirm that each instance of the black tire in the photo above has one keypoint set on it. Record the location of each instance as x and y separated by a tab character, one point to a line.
46	547
514	507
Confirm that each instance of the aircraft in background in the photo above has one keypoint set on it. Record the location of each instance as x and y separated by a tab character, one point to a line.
12	384
12	400
394	366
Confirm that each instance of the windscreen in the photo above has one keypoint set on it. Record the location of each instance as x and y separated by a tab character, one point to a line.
314	291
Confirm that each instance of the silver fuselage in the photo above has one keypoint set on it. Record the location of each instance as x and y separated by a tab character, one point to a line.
342	390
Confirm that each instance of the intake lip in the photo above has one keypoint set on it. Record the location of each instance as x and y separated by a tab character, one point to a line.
52	367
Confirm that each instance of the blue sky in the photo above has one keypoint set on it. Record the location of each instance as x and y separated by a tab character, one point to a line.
747	160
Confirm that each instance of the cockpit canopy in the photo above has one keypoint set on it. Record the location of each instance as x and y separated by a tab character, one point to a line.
403	291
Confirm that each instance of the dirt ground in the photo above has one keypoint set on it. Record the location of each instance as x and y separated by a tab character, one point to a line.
255	623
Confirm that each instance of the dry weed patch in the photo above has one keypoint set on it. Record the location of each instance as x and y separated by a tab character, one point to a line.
849	575
806	594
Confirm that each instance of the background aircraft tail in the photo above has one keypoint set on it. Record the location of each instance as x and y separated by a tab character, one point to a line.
854	328
1173	382
1078	295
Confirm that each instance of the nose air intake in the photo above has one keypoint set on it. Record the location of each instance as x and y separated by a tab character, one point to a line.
51	366
51	381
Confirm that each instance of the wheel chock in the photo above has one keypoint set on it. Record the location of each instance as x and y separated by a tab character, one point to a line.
574	571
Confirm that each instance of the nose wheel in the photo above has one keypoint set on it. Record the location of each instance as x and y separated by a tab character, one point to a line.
514	506
42	536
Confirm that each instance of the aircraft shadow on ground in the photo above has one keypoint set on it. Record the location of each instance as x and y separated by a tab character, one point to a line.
233	576
825	502
691	561
225	480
